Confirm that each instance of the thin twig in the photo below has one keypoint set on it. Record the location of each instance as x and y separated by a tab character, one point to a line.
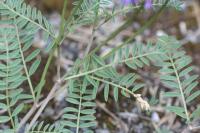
90	41
42	107
93	31
28	115
58	64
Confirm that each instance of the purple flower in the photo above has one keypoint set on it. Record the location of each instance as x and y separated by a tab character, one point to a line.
128	2
148	4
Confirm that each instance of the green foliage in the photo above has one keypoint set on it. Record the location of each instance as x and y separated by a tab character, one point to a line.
25	17
12	70
124	83
89	9
177	4
41	128
19	23
175	74
80	114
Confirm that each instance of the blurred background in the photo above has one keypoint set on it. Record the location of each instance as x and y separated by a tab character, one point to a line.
123	116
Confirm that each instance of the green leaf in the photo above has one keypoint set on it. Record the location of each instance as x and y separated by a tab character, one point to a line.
106	92
183	62
166	70
88	124
18	109
73	101
170	84
70	109
145	61
95	90
69	123
40	126
127	79
138	63
87	118
70	116
3	106
84	86
191	79
34	66
98	60
179	54
177	110
32	55
168	77
4	119
2	96
88	104
191	87
71	86
116	93
88	111
171	94
196	113
91	81
186	71
193	96
137	87
131	65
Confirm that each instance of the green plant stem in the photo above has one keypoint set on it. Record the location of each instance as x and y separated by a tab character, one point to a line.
115	85
56	43
93	31
120	29
150	21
